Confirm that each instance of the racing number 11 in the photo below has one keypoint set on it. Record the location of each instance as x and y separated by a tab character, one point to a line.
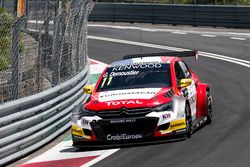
104	81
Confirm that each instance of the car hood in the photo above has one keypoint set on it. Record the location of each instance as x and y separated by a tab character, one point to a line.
129	98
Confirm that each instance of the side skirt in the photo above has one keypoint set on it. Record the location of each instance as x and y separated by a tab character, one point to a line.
199	123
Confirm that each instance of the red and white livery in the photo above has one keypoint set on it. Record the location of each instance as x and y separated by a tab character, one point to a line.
143	98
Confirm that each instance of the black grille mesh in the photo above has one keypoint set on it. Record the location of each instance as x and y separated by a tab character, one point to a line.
145	126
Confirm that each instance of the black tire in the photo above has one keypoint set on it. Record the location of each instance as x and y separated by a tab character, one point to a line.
209	107
73	140
188	121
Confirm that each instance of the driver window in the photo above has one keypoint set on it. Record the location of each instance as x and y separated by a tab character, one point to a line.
184	67
178	73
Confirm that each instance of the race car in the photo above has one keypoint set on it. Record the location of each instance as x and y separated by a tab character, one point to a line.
143	98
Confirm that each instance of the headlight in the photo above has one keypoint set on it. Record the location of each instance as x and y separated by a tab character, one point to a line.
163	107
78	113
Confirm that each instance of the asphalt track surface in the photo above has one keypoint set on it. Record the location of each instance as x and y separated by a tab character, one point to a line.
223	143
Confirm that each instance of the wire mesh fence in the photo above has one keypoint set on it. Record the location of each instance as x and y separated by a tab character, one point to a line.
43	48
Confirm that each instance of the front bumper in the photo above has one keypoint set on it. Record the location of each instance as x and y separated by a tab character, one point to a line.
79	143
127	130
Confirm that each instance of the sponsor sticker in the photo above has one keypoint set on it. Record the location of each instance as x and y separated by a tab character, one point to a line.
129	93
85	121
166	116
123	121
143	93
192	99
123	136
177	124
124	102
133	66
118	74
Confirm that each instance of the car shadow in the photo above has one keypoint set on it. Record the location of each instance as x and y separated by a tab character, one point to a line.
127	145
119	145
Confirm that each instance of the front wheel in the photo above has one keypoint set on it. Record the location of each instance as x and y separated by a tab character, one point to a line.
209	107
188	121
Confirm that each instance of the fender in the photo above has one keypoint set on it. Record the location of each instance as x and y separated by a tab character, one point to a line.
179	105
202	99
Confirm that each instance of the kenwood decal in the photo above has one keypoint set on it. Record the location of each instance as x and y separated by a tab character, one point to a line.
136	66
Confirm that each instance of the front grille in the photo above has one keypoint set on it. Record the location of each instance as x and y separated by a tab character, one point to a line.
144	126
124	113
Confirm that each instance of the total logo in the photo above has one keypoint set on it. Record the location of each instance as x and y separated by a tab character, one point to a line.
125	102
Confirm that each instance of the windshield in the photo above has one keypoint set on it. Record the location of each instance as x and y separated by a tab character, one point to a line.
131	76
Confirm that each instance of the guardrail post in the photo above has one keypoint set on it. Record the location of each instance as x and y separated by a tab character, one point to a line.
56	48
15	75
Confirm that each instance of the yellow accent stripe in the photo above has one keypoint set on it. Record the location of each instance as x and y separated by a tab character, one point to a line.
175	125
76	130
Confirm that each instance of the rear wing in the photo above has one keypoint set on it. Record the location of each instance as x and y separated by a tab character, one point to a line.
193	53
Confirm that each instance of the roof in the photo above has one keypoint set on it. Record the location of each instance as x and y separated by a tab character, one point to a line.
158	59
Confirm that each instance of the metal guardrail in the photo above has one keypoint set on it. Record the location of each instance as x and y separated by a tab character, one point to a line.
195	15
43	78
30	122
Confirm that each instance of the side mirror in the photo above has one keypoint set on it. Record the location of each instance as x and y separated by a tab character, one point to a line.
88	89
185	82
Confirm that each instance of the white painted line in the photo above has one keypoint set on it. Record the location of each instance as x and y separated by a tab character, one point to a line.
241	39
136	43
130	28
65	151
59	153
234	33
153	29
101	157
179	32
224	59
169	30
205	54
209	36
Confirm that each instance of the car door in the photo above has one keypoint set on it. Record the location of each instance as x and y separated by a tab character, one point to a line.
189	92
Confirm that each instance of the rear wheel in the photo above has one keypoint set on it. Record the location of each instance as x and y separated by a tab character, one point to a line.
209	107
188	121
